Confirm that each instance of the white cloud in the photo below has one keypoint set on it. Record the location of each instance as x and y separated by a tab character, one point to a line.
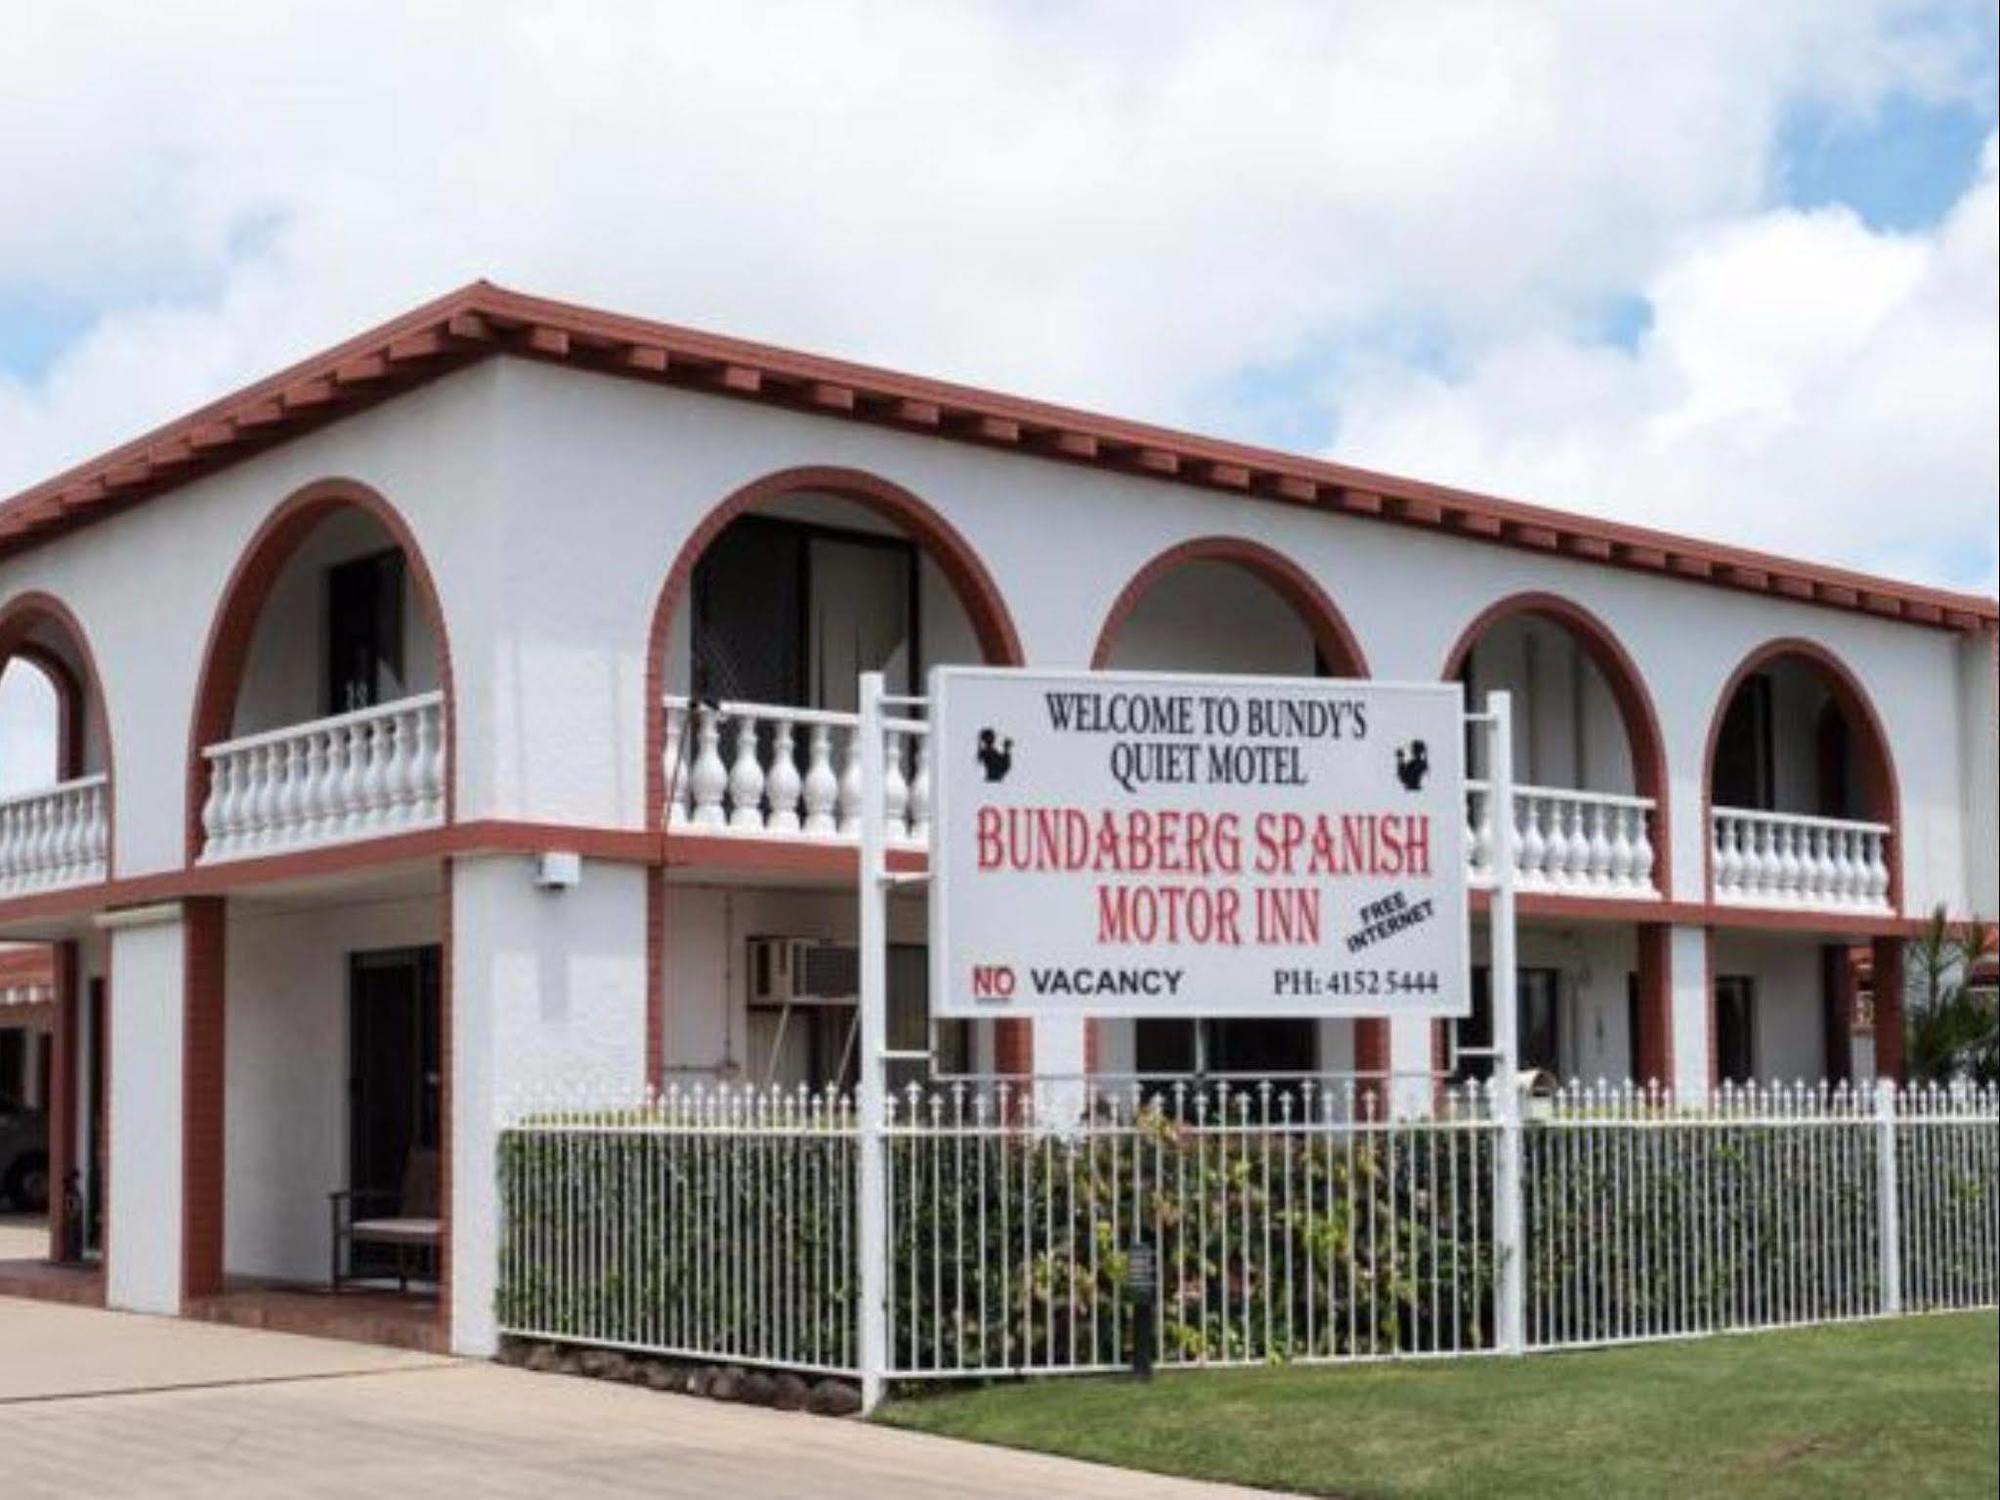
1808	386
1118	204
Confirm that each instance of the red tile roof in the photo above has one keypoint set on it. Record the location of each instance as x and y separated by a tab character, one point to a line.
482	320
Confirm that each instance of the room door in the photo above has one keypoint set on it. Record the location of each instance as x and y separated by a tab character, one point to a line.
393	1080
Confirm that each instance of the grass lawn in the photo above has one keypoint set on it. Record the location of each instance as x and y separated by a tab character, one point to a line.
1904	1408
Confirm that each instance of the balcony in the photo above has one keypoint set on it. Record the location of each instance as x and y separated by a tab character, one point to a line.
1791	860
760	770
53	837
1567	843
356	775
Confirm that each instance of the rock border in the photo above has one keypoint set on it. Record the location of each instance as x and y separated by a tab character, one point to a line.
781	1390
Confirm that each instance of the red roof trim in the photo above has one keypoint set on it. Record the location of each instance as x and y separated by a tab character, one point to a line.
483	319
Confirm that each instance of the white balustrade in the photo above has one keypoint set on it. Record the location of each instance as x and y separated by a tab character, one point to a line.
55	836
768	771
1787	859
357	775
1575	843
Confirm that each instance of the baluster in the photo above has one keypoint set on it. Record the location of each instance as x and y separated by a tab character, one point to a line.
38	839
286	809
1476	832
674	770
1791	866
430	735
895	790
783	785
920	792
1825	874
1722	851
313	806
257	797
822	787
374	801
399	773
1840	855
1760	864
100	831
1643	853
1618	845
850	782
1877	845
10	847
746	777
709	778
1597	845
218	812
1531	857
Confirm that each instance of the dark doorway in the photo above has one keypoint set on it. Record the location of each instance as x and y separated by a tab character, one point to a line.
393	1080
364	632
789	612
97	1140
1744	774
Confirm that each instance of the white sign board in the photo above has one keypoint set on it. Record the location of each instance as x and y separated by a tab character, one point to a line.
1149	844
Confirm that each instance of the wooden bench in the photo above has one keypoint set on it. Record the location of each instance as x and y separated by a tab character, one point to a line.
404	1219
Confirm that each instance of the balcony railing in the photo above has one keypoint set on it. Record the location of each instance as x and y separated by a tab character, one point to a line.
356	775
763	770
54	836
1786	859
1574	843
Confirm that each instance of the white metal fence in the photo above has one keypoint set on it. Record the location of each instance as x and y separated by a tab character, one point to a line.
1295	1220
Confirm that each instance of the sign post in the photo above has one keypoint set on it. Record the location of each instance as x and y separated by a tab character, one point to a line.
1510	1291
872	1235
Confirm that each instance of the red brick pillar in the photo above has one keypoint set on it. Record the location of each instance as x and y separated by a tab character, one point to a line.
1653	1047
1014	1048
1889	978
203	1078
1371	1059
62	1085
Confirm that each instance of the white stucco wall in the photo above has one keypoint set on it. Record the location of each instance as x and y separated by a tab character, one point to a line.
1790	1040
147	1024
548	1002
286	1055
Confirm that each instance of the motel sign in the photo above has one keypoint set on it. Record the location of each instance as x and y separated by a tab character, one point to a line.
1149	844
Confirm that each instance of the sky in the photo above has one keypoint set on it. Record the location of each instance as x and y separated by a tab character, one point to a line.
1722	268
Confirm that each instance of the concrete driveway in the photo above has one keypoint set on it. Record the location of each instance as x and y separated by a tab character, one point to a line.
114	1404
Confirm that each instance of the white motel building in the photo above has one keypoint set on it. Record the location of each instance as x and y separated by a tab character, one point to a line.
470	707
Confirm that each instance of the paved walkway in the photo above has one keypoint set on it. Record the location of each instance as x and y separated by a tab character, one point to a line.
114	1404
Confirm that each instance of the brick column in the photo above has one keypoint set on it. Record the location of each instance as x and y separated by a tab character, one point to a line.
62	1085
1889	979
203	1080
1653	1047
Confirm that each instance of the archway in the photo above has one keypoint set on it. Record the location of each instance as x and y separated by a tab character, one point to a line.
784	591
1231	605
336	570
1585	732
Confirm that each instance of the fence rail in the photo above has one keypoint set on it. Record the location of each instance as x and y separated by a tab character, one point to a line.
1294	1220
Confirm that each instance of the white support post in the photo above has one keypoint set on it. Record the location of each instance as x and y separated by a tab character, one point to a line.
1510	1291
872	1246
1888	1207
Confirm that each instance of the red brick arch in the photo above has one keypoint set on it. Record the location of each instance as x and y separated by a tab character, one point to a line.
227	653
1880	791
970	579
78	688
1648	746
1311	603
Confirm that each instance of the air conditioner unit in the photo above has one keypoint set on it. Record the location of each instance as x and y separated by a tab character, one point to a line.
795	971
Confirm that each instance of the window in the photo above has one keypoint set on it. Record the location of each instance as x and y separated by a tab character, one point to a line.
364	632
1537	1023
1745	774
1165	1048
791	613
1736	1028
